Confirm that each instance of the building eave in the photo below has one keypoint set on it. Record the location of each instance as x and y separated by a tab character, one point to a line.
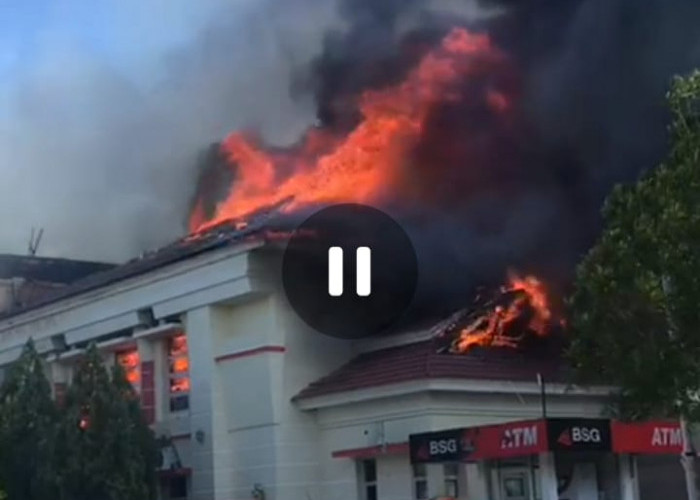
451	386
166	290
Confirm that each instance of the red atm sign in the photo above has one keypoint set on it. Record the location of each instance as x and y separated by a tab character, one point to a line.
651	438
536	436
478	443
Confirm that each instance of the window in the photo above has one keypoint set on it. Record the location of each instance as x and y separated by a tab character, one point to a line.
131	363
179	373
420	482
368	479
174	487
451	472
177	488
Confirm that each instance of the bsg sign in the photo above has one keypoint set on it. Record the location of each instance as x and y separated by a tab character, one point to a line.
569	434
585	435
443	446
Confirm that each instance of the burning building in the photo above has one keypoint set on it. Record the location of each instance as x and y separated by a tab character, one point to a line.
251	401
250	398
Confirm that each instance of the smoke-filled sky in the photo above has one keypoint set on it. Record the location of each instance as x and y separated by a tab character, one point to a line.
104	106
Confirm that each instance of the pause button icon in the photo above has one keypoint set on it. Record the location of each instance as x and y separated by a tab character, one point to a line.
363	279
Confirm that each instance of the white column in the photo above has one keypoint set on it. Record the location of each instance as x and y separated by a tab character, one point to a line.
629	485
436	480
548	476
205	401
477	481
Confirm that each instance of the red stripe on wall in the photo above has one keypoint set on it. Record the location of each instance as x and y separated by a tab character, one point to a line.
373	451
251	352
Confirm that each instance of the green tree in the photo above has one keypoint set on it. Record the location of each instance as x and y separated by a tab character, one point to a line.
108	451
635	314
139	444
27	429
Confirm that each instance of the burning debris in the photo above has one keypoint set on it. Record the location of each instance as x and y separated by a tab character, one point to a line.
519	310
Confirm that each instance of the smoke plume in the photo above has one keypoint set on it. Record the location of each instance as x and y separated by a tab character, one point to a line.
102	154
590	78
108	163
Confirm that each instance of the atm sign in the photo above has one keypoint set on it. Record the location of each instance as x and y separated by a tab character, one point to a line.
657	438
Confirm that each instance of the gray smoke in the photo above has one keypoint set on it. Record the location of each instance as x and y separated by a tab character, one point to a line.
102	157
106	163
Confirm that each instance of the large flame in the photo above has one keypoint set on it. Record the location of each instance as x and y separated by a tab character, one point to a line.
504	325
364	165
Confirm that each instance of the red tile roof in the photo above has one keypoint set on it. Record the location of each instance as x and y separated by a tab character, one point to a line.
421	360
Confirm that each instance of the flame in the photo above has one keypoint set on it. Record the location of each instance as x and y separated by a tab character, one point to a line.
495	327
131	362
365	164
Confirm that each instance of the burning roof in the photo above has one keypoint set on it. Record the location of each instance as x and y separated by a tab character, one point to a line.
422	360
367	164
511	334
518	313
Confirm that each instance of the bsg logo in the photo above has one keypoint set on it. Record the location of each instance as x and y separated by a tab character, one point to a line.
443	446
585	435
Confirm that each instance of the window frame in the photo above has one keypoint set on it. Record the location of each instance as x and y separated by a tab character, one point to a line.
417	478
178	401
137	368
451	478
367	484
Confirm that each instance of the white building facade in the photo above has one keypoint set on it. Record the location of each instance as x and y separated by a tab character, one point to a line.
224	372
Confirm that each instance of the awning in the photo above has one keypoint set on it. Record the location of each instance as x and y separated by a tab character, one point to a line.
529	437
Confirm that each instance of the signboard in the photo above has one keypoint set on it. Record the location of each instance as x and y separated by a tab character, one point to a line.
579	434
443	446
653	438
515	439
478	443
530	437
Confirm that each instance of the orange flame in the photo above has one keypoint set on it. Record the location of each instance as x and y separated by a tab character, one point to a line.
361	166
131	362
493	327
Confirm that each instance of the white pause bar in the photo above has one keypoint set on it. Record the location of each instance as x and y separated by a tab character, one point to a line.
335	271
363	284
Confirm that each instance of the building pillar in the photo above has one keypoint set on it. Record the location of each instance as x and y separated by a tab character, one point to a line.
477	480
207	427
629	485
548	476
436	480
59	381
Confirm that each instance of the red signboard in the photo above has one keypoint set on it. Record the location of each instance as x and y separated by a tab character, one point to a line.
509	440
514	439
647	437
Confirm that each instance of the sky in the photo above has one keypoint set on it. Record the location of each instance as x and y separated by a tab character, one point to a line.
119	31
106	105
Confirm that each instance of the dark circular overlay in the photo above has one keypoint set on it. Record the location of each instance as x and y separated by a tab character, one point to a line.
393	271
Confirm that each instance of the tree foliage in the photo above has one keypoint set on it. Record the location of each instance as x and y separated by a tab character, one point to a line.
27	430
635	314
109	451
96	447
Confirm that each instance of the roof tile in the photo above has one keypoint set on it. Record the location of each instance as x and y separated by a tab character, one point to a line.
421	360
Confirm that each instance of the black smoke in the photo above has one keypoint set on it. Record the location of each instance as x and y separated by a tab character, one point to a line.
589	77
